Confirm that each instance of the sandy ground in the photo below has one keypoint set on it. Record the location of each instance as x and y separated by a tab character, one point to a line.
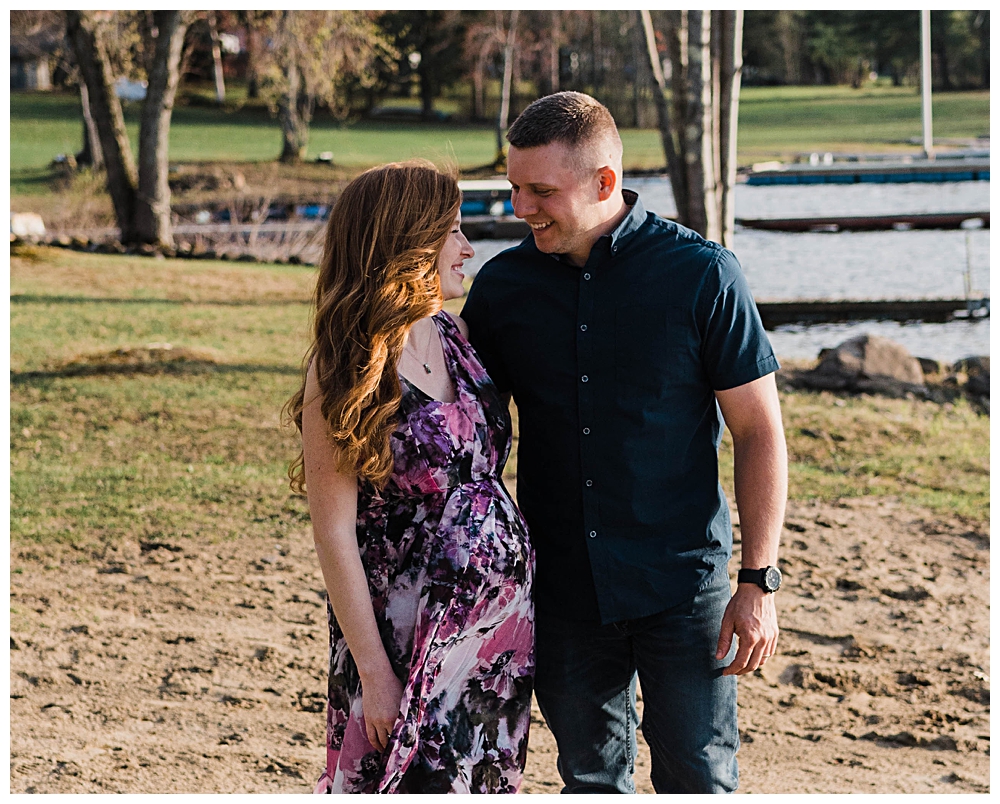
195	667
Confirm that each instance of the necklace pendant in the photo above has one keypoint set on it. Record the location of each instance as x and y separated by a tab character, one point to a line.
427	368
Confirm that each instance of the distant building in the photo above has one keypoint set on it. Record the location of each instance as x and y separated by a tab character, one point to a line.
33	58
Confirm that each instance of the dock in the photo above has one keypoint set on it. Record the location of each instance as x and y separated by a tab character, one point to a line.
935	311
881	172
871	223
507	227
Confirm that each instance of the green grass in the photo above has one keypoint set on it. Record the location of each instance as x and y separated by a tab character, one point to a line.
775	123
934	456
199	449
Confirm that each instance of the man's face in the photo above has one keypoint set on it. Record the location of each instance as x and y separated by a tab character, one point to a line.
559	200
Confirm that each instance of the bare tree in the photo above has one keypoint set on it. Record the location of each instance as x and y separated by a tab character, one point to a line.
141	197
311	54
698	124
508	67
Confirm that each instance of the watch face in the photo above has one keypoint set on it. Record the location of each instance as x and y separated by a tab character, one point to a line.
772	578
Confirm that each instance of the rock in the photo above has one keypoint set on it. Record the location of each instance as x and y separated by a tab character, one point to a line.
870	364
27	225
979	384
974	366
931	366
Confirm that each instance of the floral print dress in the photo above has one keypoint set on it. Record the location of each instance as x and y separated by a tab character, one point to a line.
449	570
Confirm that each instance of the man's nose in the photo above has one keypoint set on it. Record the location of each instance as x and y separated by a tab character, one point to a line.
523	204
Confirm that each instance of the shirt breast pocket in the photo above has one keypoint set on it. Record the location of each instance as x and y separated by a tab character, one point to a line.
655	345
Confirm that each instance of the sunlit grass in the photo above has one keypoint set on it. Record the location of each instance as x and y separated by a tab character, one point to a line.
201	450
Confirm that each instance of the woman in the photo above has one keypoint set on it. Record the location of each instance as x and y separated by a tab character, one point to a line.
425	557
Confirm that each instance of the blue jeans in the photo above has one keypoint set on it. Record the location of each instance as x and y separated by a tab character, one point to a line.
585	683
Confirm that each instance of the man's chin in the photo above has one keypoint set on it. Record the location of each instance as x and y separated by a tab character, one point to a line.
546	245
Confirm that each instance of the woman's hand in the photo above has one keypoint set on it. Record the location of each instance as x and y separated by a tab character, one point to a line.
381	695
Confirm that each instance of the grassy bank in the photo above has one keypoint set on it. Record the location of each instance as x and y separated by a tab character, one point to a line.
775	123
100	451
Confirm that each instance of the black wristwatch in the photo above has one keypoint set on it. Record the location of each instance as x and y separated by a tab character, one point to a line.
768	579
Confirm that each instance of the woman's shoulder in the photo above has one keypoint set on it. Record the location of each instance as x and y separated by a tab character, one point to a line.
456	322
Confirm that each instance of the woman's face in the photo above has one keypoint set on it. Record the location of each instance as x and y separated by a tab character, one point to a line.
455	252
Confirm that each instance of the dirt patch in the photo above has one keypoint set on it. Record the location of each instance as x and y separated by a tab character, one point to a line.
187	666
153	358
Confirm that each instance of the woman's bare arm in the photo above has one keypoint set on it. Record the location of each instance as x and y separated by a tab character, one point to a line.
333	507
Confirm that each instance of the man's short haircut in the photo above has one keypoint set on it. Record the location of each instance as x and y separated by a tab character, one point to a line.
572	118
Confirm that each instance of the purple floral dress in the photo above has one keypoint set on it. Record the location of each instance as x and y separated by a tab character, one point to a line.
449	569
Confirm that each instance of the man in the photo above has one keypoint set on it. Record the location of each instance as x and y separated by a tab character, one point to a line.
621	336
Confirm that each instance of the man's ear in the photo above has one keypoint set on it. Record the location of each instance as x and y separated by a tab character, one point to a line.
608	182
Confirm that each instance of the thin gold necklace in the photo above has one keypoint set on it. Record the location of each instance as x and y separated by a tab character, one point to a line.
426	349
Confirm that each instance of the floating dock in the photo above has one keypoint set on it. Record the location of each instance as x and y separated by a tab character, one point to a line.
922	170
936	311
507	227
871	223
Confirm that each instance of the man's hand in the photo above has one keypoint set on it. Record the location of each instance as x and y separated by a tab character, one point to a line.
752	619
380	698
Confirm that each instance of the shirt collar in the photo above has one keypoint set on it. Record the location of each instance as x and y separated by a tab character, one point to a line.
633	219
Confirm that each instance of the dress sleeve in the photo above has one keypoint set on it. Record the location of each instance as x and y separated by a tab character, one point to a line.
476	313
735	346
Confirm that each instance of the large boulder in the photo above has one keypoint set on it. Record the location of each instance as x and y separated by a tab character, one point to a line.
867	363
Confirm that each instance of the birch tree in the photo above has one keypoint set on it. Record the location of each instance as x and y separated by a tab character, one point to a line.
697	113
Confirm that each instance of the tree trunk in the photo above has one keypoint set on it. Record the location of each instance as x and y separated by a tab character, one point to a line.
253	48
554	53
699	133
152	211
674	166
426	92
91	56
731	76
220	82
294	131
508	67
699	159
90	155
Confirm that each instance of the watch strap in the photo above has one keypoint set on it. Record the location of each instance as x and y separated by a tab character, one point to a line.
754	576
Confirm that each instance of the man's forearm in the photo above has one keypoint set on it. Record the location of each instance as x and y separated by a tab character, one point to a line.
761	486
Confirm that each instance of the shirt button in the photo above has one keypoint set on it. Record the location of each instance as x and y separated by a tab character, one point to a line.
593	534
590	483
586	431
583	327
584	378
586	276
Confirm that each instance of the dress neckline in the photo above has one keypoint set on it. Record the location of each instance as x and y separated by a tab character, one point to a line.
447	368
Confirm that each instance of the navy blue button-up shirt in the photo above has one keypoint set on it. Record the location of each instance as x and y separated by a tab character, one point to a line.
613	368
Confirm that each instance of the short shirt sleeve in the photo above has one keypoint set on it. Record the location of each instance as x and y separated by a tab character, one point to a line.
476	313
735	346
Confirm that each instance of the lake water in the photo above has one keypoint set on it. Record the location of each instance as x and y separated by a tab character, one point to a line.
851	265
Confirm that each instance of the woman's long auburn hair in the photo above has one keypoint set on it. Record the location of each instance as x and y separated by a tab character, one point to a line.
377	278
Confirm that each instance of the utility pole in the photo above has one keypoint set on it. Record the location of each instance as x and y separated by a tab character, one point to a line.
925	81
